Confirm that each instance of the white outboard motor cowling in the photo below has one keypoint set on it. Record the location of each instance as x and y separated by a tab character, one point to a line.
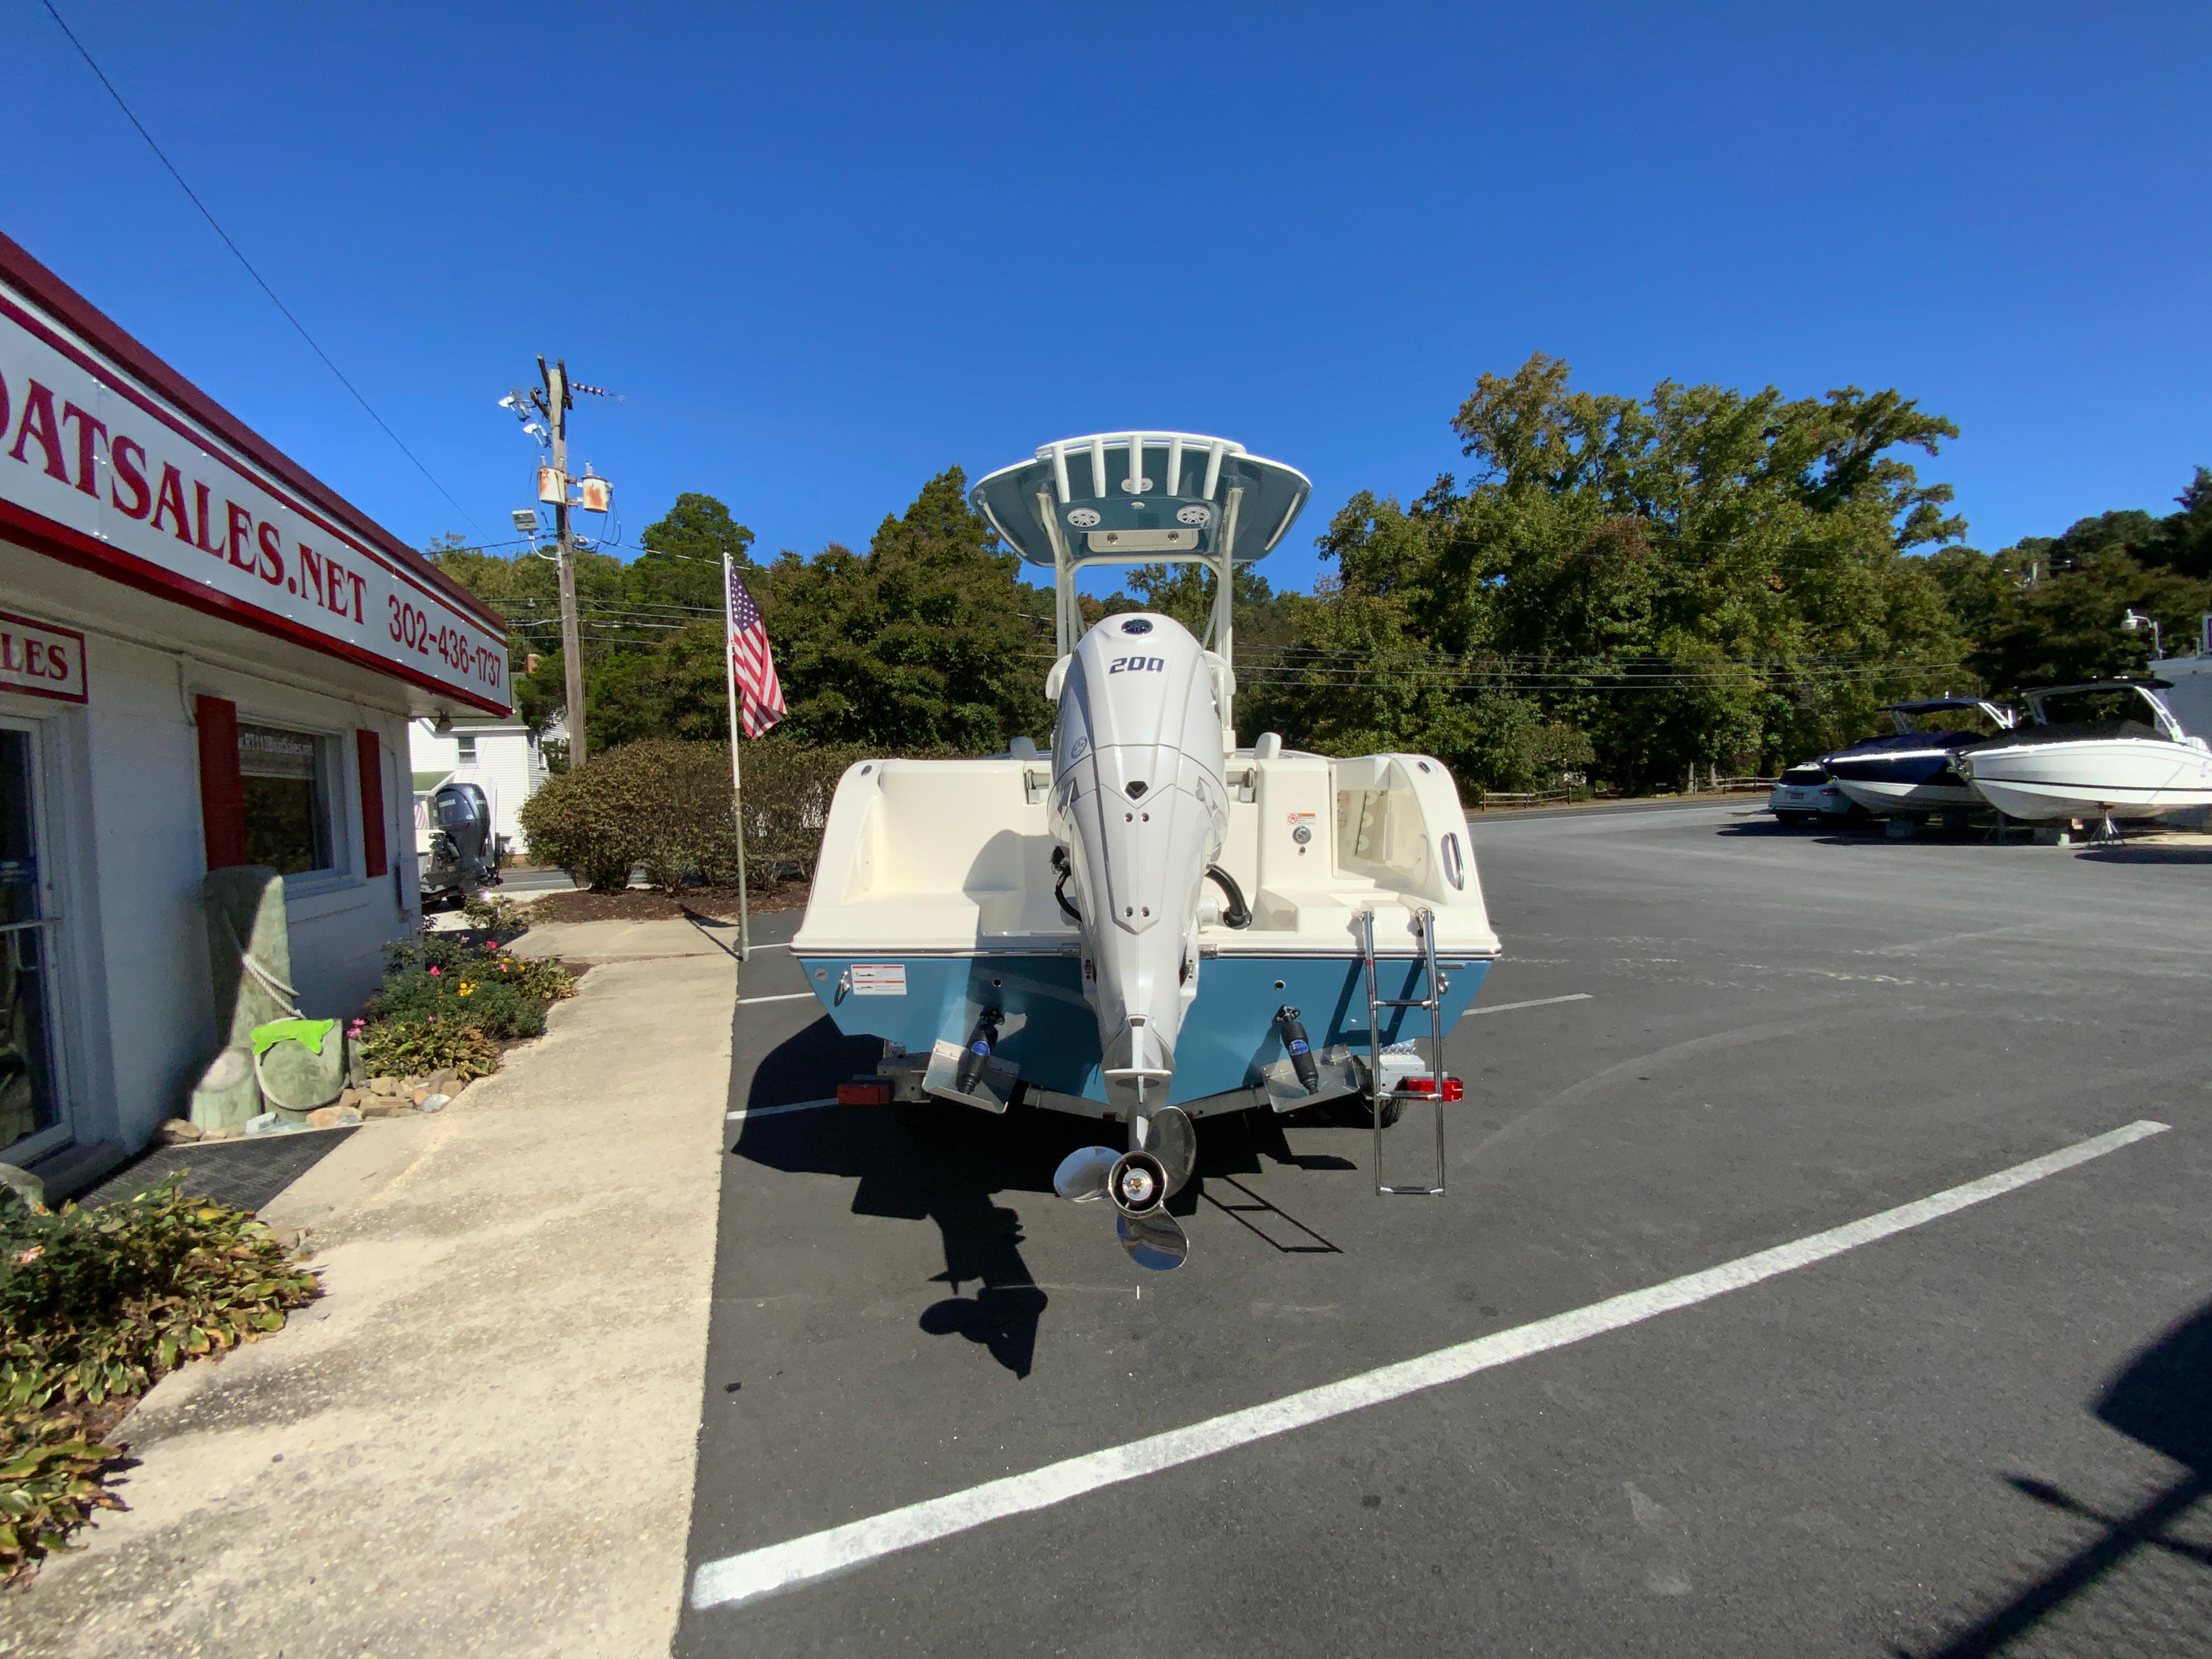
1140	803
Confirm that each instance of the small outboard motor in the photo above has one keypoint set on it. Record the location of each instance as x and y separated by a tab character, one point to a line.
463	853
1140	802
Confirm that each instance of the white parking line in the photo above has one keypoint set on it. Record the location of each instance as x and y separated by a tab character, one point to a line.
781	996
775	1567
1539	1002
745	1112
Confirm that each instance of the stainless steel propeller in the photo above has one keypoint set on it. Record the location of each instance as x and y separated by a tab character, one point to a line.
1138	1183
1155	1240
1172	1138
1082	1174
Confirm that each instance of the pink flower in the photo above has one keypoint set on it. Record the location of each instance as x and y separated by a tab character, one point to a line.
433	968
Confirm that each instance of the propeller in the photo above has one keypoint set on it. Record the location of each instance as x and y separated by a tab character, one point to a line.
1138	1183
1082	1174
1154	1240
1169	1136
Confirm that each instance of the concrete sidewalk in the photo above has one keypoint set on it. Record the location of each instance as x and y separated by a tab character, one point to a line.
482	1438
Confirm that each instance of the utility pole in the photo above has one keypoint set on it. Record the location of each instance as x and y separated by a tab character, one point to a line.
554	403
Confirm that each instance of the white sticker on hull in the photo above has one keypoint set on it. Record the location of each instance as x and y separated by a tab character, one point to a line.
879	979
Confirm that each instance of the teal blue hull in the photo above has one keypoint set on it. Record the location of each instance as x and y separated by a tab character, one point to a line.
1051	1037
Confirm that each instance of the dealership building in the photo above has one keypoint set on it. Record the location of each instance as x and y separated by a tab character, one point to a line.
207	658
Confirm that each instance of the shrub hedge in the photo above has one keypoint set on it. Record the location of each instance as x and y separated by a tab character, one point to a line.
665	804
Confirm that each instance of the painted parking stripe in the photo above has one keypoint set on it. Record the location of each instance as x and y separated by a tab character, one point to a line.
745	1112
1539	1002
781	996
775	1567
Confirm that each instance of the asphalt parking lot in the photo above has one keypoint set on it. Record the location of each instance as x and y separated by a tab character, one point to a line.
1987	1428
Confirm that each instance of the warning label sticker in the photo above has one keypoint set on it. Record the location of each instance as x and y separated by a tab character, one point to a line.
879	979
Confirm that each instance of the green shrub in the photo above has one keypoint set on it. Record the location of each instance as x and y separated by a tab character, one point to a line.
496	914
665	804
416	1048
95	1306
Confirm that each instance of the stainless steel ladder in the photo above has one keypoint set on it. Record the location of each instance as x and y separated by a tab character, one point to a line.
1425	924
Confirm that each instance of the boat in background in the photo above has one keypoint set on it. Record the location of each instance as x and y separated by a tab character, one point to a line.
1913	772
1152	924
2104	750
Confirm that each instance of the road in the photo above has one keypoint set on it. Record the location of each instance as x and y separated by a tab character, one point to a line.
1897	1440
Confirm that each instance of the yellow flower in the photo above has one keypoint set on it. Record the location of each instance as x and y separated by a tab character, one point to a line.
466	988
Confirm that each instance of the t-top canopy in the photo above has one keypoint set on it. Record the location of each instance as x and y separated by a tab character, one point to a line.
1142	495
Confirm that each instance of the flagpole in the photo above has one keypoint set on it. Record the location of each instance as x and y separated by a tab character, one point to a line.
737	783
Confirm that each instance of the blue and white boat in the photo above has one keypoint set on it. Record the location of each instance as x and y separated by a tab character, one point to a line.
1913	772
1151	923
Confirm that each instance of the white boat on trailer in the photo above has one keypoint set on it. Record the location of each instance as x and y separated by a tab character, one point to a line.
1151	925
2089	752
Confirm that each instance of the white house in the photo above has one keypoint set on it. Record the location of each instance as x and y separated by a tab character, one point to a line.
505	755
208	658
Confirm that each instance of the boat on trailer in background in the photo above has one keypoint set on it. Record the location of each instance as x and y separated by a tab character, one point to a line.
1150	924
1913	772
2098	751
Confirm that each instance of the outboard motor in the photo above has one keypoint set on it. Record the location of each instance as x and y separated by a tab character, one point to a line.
1140	801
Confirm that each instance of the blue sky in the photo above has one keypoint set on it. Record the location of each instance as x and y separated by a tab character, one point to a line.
827	252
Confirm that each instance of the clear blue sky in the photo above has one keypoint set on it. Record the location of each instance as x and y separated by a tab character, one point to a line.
827	252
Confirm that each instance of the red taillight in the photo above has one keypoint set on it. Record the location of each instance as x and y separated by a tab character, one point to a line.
865	1091
1453	1089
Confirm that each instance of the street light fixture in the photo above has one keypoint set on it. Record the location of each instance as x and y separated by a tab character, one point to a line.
2135	622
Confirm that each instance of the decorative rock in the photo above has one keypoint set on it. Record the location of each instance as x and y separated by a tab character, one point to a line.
351	1097
386	1106
433	1102
332	1117
420	1093
272	1123
446	1082
384	1085
227	1132
178	1130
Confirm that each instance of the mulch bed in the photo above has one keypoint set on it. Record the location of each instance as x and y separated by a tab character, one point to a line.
643	904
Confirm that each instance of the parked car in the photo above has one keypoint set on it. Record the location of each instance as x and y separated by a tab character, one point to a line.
1807	794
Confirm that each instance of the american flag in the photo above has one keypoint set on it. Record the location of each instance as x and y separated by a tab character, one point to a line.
759	693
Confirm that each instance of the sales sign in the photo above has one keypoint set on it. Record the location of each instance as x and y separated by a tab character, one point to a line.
40	659
113	476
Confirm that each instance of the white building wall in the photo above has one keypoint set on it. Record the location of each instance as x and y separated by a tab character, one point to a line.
2191	696
123	785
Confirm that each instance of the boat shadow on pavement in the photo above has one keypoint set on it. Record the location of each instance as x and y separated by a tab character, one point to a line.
2162	1398
946	1163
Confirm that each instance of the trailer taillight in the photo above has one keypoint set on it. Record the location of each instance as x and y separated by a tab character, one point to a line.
1451	1089
865	1091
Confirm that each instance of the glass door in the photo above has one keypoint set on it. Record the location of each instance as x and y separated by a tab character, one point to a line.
30	1093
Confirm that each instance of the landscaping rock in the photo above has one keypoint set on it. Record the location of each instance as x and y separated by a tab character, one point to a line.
386	1106
352	1098
443	1082
332	1117
178	1130
384	1085
226	1132
433	1104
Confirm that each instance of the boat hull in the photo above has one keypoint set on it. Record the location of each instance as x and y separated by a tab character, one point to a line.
1890	797
1050	1036
2124	776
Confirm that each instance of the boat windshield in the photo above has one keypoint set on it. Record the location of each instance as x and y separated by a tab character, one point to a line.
2101	705
1976	718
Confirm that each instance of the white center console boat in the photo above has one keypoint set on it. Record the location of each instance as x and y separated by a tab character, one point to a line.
1152	924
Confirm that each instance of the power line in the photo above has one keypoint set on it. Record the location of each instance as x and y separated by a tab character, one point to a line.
162	156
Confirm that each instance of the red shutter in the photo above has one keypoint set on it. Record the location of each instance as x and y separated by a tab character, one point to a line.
371	758
222	796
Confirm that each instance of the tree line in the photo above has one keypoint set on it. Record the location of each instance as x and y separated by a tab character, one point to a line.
1619	588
